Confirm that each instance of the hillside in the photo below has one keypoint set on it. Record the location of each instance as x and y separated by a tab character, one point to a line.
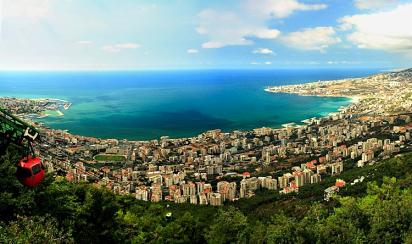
378	210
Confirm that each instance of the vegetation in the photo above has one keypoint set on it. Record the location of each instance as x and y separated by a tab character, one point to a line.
110	158
378	210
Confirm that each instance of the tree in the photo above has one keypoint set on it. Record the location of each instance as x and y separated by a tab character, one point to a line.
308	227
390	211
183	230
256	233
228	227
282	229
14	198
97	214
33	229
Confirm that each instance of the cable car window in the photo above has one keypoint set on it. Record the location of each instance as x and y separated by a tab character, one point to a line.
36	169
23	172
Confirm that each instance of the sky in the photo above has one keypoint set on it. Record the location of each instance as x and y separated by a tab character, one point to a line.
185	34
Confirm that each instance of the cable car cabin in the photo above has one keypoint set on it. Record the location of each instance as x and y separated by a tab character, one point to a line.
30	171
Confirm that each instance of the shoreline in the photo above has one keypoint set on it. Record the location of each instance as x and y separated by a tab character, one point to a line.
354	99
291	124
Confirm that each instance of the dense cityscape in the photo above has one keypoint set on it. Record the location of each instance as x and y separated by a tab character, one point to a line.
218	122
217	167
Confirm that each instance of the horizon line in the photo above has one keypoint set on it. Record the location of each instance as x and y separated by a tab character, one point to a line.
203	68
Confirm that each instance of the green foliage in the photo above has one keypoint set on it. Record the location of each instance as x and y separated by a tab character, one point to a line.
110	158
255	233
33	230
378	210
14	198
344	225
282	230
228	227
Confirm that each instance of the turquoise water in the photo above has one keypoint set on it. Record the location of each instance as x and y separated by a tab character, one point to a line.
144	105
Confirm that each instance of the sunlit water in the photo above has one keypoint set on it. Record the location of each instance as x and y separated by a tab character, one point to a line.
149	104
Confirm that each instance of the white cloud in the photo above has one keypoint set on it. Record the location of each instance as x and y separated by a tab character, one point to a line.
84	42
373	4
261	63
263	51
266	33
342	62
388	30
281	8
318	38
213	44
192	51
119	47
25	8
240	26
225	28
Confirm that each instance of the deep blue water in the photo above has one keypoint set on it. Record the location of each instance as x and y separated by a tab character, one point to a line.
148	104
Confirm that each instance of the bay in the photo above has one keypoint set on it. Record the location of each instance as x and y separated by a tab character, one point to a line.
142	105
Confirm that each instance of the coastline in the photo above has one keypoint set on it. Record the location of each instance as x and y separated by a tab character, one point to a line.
204	105
354	99
301	118
283	126
291	124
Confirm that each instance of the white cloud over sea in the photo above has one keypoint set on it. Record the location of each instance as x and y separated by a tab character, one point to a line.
263	51
230	28
317	39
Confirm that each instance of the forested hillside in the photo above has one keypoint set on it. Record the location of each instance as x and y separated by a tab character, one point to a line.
378	210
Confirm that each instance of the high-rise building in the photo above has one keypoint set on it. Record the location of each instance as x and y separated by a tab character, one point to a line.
223	189
193	199
200	186
299	178
156	193
232	191
202	199
307	174
142	193
210	170
268	183
168	180
315	178
337	168
243	189
284	180
216	199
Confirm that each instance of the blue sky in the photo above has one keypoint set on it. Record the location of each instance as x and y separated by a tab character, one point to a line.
169	34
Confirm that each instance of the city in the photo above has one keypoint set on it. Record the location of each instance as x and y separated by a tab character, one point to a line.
217	167
219	122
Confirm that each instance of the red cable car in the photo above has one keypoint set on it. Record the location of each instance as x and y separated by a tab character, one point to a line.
14	131
30	171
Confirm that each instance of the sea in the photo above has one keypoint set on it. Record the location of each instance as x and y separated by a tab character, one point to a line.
144	105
